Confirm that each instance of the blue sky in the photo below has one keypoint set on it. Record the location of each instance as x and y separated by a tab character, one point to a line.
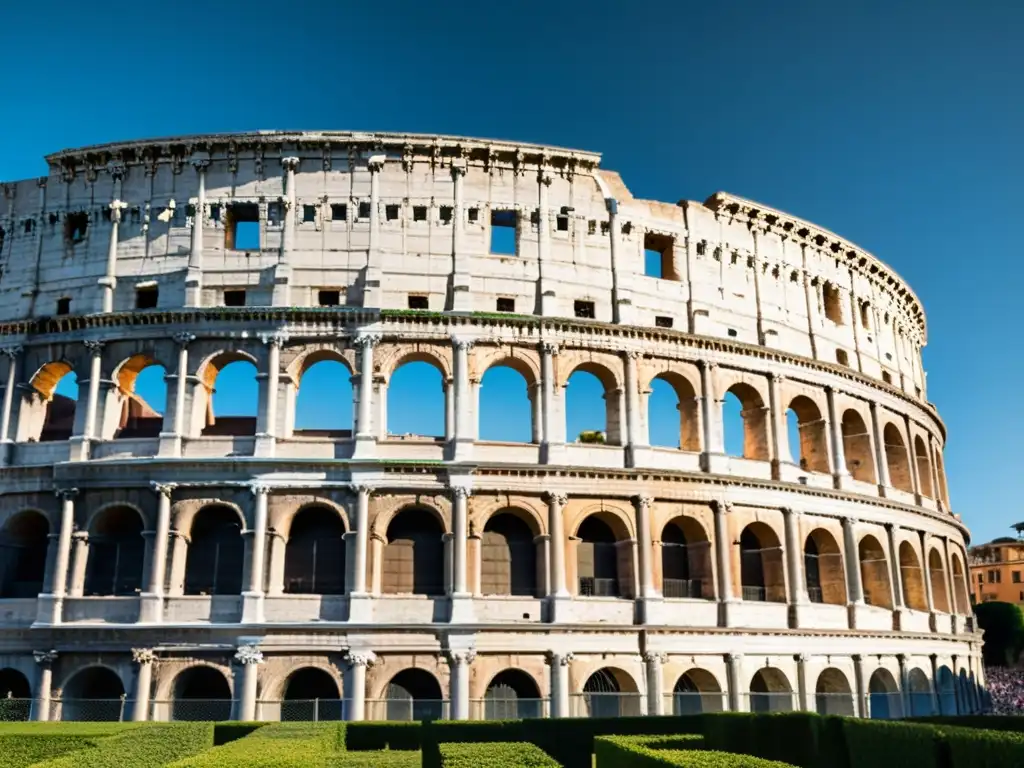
898	125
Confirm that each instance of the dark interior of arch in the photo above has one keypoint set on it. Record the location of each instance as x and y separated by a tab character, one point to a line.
93	694
14	685
201	693
602	681
23	544
513	683
215	553
116	552
675	564
311	683
508	560
752	568
59	421
414	555
314	560
414	694
597	558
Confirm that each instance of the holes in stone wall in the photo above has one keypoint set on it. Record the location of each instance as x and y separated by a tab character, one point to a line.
505	304
242	227
63	306
658	256
418	301
833	303
328	297
309	214
661	321
146	296
76	227
234	297
339	212
503	232
584	309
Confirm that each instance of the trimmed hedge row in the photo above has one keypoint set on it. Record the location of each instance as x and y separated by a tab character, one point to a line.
680	752
360	737
495	755
17	751
277	745
153	746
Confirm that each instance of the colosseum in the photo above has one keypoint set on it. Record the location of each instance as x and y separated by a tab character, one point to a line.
163	563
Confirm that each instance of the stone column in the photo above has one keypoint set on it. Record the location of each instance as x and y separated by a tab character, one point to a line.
176	421
462	600
463	448
80	443
194	275
723	560
794	558
559	599
144	658
733	676
894	563
552	447
654	660
252	594
359	597
933	685
860	706
951	586
881	462
459	661
926	575
711	416
778	441
448	385
355	682
536	412
51	605
804	695
372	296
559	662
79	563
12	354
366	440
283	271
614	234
643	504
839	470
152	598
635	440
247	660
904	685
915	473
851	554
44	684
266	430
109	280
461	270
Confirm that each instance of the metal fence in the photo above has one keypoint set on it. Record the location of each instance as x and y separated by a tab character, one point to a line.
692	588
756	594
770	702
607	705
16	710
192	710
302	710
92	710
885	706
507	709
407	709
694	702
834	704
593	587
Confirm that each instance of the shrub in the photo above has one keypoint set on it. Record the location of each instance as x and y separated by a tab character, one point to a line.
360	737
17	751
987	722
791	737
1003	624
467	732
495	755
639	752
571	741
152	746
277	745
224	733
976	748
874	743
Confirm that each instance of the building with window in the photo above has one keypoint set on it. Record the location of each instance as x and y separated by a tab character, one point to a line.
163	558
997	571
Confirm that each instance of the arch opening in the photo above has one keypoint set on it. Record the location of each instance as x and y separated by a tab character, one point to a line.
924	467
762	568
811	448
416	402
673	413
142	389
233	393
770	691
116	553
414	554
832	694
960	587
945	685
508	406
913	580
686	569
919	691
897	460
93	694
860	461
512	695
23	547
604	562
314	557
508	557
15	696
874	573
57	387
884	699
937	577
823	569
586	387
213	565
610	692
745	422
414	694
311	694
201	693
324	401
695	692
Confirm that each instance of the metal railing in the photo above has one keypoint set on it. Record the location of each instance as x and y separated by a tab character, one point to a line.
885	706
16	710
814	594
193	710
508	709
694	702
607	705
594	587
834	704
92	710
770	702
407	709
691	588
302	710
756	594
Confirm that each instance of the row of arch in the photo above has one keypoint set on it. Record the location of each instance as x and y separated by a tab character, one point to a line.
203	692
511	558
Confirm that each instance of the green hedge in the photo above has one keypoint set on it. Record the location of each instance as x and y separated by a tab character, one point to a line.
224	733
976	748
987	722
571	741
875	743
638	752
278	745
153	746
360	737
495	755
790	737
21	750
379	759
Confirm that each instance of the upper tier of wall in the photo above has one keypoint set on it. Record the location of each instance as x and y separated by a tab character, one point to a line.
377	218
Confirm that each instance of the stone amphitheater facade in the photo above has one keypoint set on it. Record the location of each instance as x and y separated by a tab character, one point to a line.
152	560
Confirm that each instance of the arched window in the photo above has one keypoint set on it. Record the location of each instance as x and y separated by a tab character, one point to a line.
233	400
673	413
920	694
811	449
310	694
143	390
937	575
414	554
215	553
860	462
23	545
416	401
945	685
314	557
924	468
960	588
912	578
696	691
761	564
94	693
686	560
833	303
116	552
508	405
512	695
324	401
942	492
201	693
508	560
885	702
823	567
15	696
744	413
57	385
770	691
588	420
414	694
599	562
610	692
832	694
874	573
897	460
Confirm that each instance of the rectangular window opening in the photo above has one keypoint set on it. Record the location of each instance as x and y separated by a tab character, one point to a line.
562	223
663	322
732	333
309	214
339	212
833	303
474	215
364	210
592	227
275	214
146	297
215	212
76	225
658	261
446	214
584	309
605	227
418	301
419	213
391	212
506	305
887	377
64	305
242	227
328	298
865	315
234	298
503	232
29	224
842	357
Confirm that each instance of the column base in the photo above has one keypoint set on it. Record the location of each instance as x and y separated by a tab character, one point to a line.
6	452
559	609
715	463
252	608
169	446
266	446
360	608
365	447
151	608
552	453
651	610
462	449
50	610
78	449
462	609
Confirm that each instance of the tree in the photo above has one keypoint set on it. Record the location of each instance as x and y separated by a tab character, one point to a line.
1003	624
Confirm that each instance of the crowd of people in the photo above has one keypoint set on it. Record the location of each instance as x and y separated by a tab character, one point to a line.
1006	690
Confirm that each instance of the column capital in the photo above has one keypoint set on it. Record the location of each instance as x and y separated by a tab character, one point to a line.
163	489
901	658
200	161
558	658
359	488
719	507
248	654
775	378
659	657
360	658
549	347
66	494
44	658
290	163
643	501
707	365
461	656
732	658
460	491
633	354
857	658
95	346
274	338
116	206
182	338
463	343
11	351
801	658
557	498
375	163
142	656
365	340
458	171
789	512
259	489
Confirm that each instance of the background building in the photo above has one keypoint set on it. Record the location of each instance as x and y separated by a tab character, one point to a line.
997	570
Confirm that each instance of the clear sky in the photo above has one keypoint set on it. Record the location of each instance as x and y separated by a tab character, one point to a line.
899	125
